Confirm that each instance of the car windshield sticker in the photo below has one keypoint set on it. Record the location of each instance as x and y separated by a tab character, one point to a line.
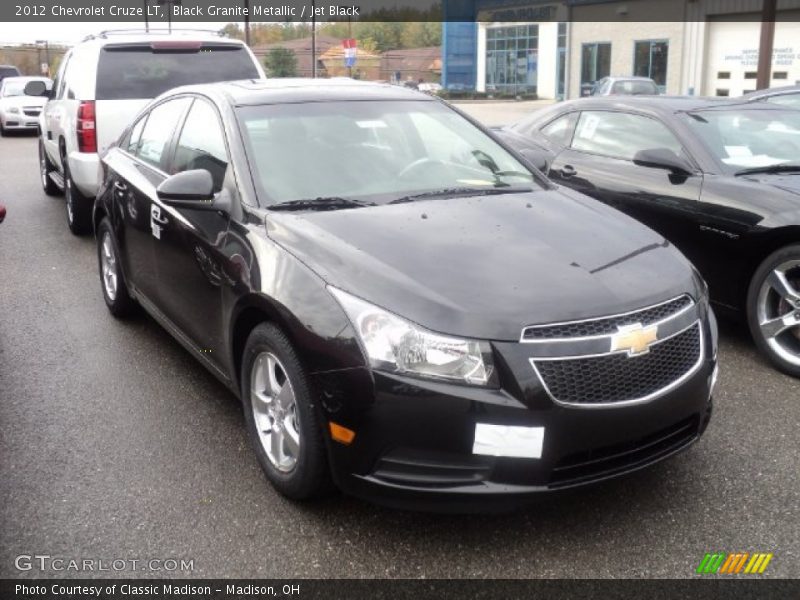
589	125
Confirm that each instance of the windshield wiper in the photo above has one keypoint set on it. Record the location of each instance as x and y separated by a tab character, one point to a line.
456	191
779	168
321	203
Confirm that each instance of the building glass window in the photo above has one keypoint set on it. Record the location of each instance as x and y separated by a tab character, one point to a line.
595	63
512	58
650	60
561	64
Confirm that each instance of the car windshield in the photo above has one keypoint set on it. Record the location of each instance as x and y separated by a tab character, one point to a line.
742	138
14	88
130	71
380	151
635	87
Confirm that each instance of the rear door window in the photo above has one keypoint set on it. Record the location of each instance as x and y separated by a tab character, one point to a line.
621	135
158	131
140	71
560	130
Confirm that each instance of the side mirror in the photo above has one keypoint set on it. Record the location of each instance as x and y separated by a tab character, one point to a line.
36	88
662	158
538	158
188	189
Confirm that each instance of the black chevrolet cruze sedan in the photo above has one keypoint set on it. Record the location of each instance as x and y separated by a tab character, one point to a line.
720	179
406	308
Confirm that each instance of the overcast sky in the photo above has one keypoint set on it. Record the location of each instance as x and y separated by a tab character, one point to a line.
19	33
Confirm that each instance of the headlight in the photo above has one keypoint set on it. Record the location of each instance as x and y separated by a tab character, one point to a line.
12	110
702	286
393	344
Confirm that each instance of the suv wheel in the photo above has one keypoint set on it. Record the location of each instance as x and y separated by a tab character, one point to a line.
79	207
45	168
773	309
115	289
279	413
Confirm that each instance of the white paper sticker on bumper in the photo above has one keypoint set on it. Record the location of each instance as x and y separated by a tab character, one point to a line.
503	440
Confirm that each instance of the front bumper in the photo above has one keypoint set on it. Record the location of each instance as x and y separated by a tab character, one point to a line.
20	122
415	439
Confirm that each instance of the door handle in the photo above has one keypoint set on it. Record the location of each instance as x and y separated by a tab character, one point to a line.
568	171
120	187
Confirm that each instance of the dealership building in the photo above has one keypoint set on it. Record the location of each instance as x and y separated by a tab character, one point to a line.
555	48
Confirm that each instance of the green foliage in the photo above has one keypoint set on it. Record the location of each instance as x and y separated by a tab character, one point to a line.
281	62
372	36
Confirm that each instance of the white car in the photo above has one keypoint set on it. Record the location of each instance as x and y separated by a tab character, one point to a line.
103	82
19	112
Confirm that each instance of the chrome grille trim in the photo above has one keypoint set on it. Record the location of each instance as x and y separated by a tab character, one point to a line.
690	304
687	316
597	345
633	401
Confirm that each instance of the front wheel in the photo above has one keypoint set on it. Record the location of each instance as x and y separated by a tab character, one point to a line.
79	207
279	413
773	309
115	291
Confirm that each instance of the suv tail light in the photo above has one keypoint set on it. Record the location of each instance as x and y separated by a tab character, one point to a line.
87	127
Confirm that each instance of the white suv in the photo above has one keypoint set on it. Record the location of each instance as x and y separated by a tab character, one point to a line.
103	82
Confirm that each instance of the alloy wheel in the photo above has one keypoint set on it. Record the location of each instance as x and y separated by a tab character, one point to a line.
275	412
108	266
778	311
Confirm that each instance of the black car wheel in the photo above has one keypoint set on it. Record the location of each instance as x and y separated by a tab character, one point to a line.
773	308
115	290
79	207
45	169
279	411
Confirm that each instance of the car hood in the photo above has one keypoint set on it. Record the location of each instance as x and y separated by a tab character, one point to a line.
21	101
485	267
787	182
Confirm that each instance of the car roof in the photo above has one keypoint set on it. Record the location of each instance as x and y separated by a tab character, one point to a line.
628	78
776	91
136	36
27	78
253	92
660	104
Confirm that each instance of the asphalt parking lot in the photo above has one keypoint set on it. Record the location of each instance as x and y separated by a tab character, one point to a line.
116	444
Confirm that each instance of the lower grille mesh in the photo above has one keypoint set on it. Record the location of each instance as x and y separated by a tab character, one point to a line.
619	378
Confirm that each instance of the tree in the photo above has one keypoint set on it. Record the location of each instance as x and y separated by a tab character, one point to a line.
281	62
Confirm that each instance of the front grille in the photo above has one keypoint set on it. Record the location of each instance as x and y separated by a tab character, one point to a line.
617	377
604	462
32	112
607	325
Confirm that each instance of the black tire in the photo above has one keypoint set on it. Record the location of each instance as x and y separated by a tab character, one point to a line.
79	207
310	476
120	304
787	339
3	132
45	168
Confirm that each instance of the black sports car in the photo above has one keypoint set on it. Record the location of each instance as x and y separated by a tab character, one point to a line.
719	179
399	300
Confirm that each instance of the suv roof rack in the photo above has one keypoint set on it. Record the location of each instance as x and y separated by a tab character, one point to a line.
111	32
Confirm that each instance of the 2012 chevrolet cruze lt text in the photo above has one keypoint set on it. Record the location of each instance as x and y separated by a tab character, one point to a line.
406	308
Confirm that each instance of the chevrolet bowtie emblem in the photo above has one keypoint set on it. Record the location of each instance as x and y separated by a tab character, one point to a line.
634	338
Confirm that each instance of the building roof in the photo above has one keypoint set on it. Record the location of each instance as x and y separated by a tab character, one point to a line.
414	60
